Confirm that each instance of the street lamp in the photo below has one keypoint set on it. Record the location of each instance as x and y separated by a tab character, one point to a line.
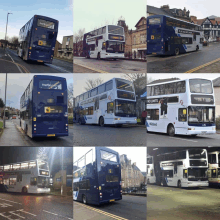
5	99
6	28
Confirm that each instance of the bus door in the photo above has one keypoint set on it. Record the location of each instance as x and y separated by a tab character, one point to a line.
109	113
163	114
96	111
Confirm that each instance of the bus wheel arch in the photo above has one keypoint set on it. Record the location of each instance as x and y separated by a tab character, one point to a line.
179	184
171	130
177	51
84	200
197	47
24	190
98	56
101	121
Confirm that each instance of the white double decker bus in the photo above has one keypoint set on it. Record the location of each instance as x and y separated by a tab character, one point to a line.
151	178
214	168
185	107
112	103
187	168
26	177
107	42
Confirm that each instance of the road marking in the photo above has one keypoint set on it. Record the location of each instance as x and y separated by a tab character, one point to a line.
50	212
93	69
16	214
11	201
202	66
183	139
57	67
104	213
4	205
26	71
22	210
2	214
15	63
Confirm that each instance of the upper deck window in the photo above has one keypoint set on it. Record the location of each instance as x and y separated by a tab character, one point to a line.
50	84
154	21
115	29
124	85
108	156
45	24
200	86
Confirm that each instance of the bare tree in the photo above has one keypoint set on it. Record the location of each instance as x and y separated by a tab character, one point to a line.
70	95
77	41
92	83
13	40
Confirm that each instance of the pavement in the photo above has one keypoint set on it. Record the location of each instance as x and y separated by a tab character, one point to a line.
81	69
213	67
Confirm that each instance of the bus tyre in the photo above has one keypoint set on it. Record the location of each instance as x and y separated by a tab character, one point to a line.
24	190
177	51
84	199
179	184
101	122
98	56
162	184
171	130
197	47
80	122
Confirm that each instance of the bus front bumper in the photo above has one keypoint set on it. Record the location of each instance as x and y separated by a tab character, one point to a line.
43	190
196	184
201	130
50	135
114	56
118	121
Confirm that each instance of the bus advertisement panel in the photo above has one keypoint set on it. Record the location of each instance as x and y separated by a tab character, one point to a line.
97	177
167	35
43	107
37	39
185	107
107	42
26	177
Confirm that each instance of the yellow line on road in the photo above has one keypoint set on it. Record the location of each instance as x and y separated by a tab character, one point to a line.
98	71
202	66
102	212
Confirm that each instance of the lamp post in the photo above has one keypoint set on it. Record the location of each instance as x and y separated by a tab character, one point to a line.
5	99
6	28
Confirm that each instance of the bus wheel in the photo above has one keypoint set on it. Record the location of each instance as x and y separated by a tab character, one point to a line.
24	190
26	129
84	199
102	122
197	47
80	122
162	184
179	184
171	130
98	56
177	51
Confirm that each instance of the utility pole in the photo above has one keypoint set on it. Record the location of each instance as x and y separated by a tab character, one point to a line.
5	98
6	28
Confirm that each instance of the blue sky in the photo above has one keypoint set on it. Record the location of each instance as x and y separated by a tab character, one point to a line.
24	10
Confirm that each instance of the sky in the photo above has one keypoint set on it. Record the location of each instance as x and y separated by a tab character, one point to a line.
24	10
157	76
199	8
136	154
79	80
90	14
17	83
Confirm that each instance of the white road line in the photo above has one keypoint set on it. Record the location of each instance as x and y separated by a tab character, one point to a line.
56	67
15	63
12	212
50	212
1	214
183	139
11	201
21	210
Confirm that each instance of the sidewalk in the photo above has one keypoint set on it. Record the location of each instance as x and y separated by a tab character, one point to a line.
81	69
58	193
217	131
211	67
67	60
11	136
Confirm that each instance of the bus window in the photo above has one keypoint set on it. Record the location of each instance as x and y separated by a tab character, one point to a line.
96	103
109	85
104	46
33	181
163	103
181	87
185	173
153	114
182	116
110	107
214	173
12	181
90	110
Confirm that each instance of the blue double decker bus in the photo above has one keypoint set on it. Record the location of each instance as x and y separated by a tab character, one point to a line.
37	39
97	177
43	107
170	36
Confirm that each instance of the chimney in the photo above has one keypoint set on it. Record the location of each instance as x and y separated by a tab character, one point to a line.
165	7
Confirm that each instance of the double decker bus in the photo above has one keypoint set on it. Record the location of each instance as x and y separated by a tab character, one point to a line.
107	42
167	35
113	103
185	107
37	39
97	177
151	178
26	177
186	168
43	107
214	168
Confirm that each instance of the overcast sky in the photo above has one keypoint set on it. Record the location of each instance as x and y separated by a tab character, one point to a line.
24	10
79	80
199	8
89	14
157	76
136	154
17	83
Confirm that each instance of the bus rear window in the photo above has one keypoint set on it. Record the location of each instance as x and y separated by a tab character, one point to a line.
50	84
108	156
111	178
53	109
154	21
45	24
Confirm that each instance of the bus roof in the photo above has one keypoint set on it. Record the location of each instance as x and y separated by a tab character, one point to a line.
155	16
49	77
103	27
24	162
45	17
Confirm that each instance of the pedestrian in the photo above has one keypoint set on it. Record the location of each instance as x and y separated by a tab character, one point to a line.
143	116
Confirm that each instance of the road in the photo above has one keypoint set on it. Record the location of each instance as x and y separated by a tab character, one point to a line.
112	66
11	63
34	206
13	135
164	140
94	135
183	62
178	204
130	207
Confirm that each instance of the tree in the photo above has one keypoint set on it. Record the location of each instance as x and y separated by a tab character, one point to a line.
78	41
1	103
13	40
70	96
92	83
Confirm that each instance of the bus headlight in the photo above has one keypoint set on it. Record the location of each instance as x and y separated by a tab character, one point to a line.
135	119
191	128
100	194
214	128
27	186
117	118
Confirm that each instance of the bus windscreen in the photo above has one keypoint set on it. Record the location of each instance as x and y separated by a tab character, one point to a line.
45	24
50	84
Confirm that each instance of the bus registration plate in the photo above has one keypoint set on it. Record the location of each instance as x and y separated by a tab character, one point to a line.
127	122
204	132
51	135
112	200
154	53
